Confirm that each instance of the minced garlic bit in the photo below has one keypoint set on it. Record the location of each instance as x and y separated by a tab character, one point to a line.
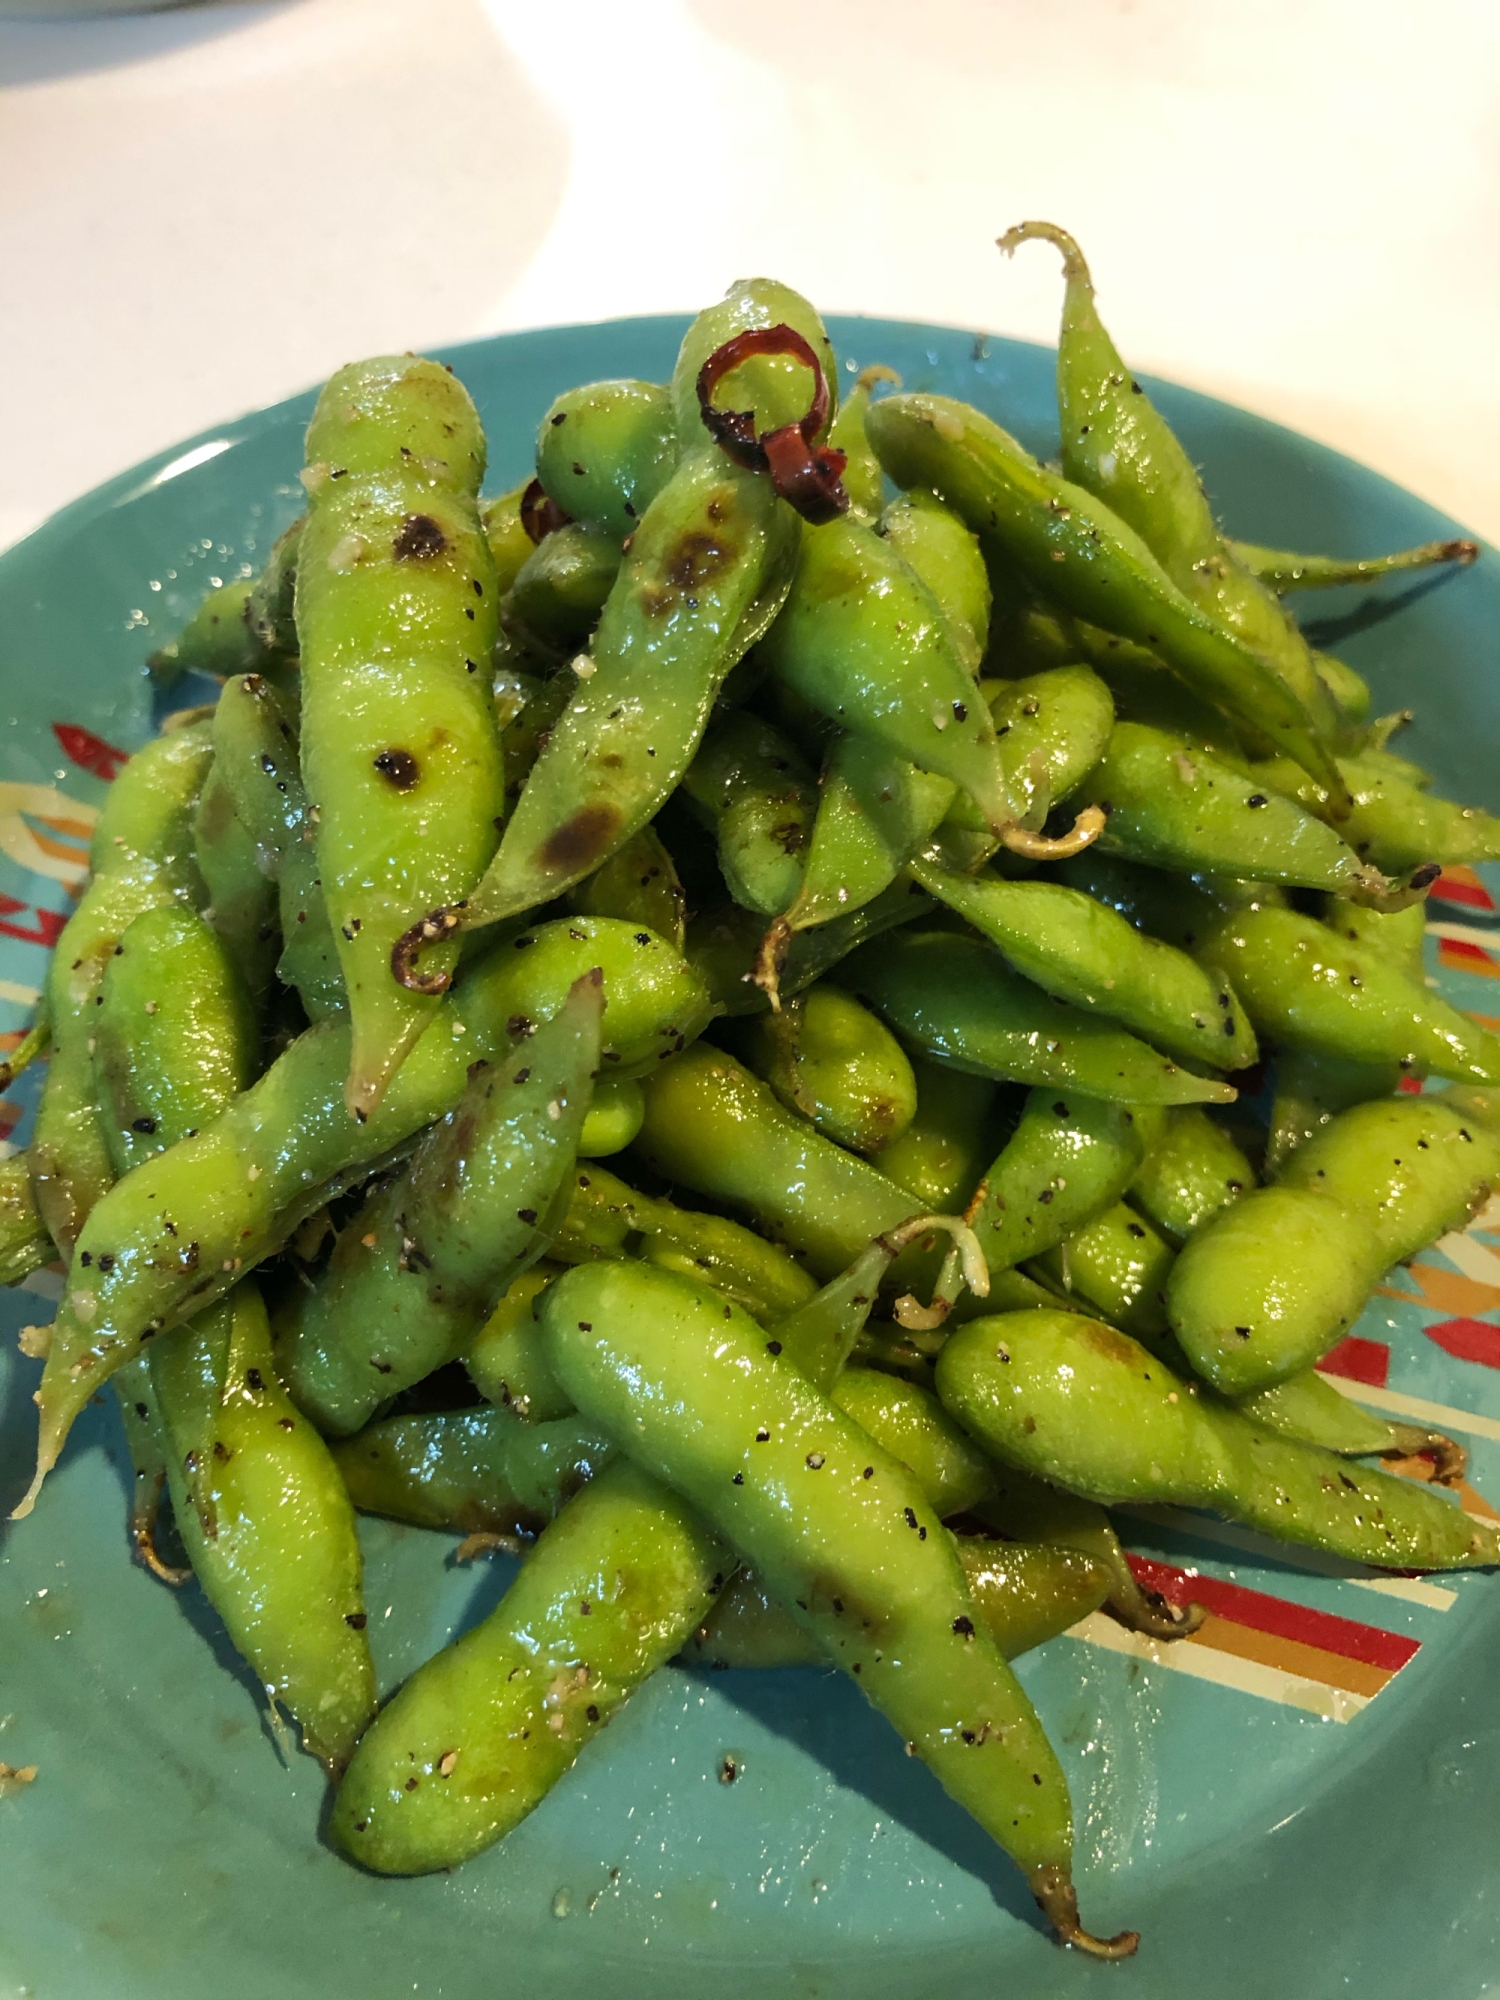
14	1778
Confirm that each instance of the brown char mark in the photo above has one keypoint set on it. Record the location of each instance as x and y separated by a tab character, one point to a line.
582	841
418	538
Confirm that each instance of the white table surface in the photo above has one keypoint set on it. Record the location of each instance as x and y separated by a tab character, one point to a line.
1291	203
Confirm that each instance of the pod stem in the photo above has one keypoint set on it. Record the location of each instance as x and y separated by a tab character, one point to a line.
1058	1900
1447	1457
963	1265
1085	830
143	1541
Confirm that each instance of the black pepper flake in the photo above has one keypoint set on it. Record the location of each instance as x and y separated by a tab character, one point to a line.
762	1436
814	1461
356	1620
254	1380
585	1326
964	1626
592	1712
521	1076
961	713
869	1472
1257	799
1243	1332
738	1479
773	1347
585	1607
526	1215
85	1258
106	1261
1135	1229
911	1519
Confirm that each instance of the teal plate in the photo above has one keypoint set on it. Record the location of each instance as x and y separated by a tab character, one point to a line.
1309	1806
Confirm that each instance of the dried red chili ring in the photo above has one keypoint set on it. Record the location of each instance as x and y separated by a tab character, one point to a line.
540	514
805	474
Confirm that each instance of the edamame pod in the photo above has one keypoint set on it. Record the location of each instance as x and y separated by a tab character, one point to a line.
1187	809
607	1218
145	1440
1395	823
1278	1278
267	1523
864	640
939	547
614	1117
239	1188
862	478
420	1266
1118	447
638	884
1284	571
911	1424
255	752
1053	729
216	640
1190	1173
396	619
1075	550
505	531
839	1530
271	610
731	948
712	1126
1070	1158
142	855
955	999
506	1360
832	1061
241	899
875	811
1118	1264
561	588
474	1472
25	1245
174	1037
478	1736
604	452
1023	1594
755	791
1078	1402
707	569
1085	953
1310	1408
1306	988
946	1147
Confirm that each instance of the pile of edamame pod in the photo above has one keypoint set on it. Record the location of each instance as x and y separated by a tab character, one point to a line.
901	859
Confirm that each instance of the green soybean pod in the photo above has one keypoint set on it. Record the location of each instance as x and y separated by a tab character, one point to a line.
267	1523
862	478
1084	557
1192	1171
945	1149
732	949
1186	809
1395	823
561	588
1270	1286
419	1268
1079	1403
954	999
712	1126
506	533
1023	1594
1053	729
1085	953
1283	570
945	554
1117	1264
759	796
1413	1167
875	811
241	897
608	1218
146	1442
604	452
142	855
507	1361
255	753
839	1530
270	611
835	1063
639	884
286	1146
706	572
1308	1407
25	1245
473	1472
614	1118
216	640
911	1424
396	612
174	1035
489	1725
1069	1158
1306	988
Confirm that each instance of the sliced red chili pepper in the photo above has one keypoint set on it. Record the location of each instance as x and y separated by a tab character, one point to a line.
540	514
806	475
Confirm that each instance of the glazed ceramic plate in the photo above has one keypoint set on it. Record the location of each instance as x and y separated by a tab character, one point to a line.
1303	1802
